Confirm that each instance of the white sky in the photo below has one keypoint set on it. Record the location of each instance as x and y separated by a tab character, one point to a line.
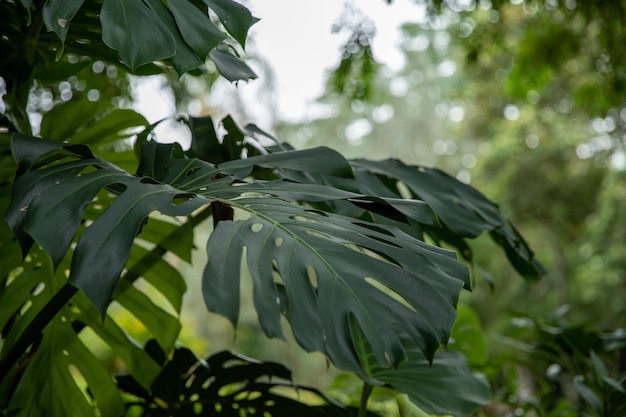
295	38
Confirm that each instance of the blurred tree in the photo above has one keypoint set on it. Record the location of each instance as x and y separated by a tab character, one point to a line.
526	100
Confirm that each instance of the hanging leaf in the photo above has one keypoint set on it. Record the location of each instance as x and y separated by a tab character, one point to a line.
57	15
133	29
195	27
446	386
235	17
185	58
462	209
231	67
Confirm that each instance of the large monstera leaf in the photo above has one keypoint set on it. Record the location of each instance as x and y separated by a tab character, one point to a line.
331	276
462	212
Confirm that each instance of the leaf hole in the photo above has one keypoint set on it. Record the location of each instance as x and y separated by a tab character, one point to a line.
179	199
254	395
257	227
116	188
310	271
279	241
208	382
66	353
79	380
38	289
148	180
404	190
25	307
391	293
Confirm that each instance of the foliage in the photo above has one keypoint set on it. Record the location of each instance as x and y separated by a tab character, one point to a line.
526	100
576	369
338	249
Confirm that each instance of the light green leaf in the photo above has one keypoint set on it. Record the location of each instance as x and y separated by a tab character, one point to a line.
407	408
161	325
159	273
195	27
61	357
143	368
235	17
468	336
132	28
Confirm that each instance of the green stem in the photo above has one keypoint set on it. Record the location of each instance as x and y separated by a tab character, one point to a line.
365	395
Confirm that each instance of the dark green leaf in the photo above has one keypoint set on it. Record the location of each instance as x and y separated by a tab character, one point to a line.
195	27
321	160
205	144
133	29
445	387
75	115
235	17
59	191
185	58
323	262
57	15
462	209
51	368
231	67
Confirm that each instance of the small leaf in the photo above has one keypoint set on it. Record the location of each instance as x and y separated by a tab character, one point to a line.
231	67
58	13
235	17
587	394
133	29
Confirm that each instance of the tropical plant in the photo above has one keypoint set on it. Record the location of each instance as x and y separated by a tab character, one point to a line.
348	253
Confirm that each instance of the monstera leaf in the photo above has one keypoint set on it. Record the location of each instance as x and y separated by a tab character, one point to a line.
332	246
224	384
331	276
140	33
